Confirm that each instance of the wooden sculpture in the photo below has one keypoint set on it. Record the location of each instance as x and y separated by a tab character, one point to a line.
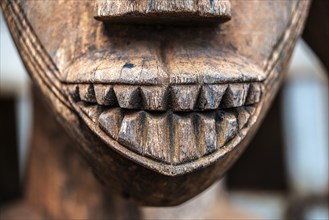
163	12
161	97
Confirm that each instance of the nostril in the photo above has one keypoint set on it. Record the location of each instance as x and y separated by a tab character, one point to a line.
163	11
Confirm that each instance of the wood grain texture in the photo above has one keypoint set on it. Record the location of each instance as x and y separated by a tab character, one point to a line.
165	12
60	184
162	106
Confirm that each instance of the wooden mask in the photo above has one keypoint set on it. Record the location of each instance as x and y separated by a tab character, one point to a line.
161	96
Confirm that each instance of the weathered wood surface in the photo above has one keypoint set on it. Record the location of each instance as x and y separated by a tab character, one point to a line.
169	108
160	11
59	183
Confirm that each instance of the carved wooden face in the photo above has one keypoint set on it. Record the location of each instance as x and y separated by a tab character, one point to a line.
161	111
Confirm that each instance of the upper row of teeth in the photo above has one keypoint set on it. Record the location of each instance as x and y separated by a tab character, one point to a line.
175	97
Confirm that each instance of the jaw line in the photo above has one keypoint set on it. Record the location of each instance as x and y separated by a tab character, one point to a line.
68	103
163	168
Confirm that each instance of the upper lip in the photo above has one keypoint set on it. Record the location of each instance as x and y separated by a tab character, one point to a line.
198	66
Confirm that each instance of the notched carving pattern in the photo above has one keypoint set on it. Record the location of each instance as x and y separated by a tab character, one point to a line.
178	98
169	137
174	124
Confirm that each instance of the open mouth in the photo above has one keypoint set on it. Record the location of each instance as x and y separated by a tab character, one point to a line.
180	101
177	135
172	99
163	95
175	119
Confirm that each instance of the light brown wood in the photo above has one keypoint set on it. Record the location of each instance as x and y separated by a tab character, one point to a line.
170	108
60	185
164	12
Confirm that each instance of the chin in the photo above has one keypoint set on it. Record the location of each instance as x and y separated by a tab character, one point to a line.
160	112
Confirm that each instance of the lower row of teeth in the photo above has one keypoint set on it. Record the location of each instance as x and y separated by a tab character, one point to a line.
175	97
170	137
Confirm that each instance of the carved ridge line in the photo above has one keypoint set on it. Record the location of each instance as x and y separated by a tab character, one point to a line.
274	56
283	45
18	19
35	41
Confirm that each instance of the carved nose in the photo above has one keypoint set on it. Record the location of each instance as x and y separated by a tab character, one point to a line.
163	11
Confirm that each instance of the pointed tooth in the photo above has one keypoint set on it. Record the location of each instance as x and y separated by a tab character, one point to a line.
243	116
207	137
92	111
129	97
105	95
184	97
154	97
250	109
210	96
226	127
87	93
254	94
157	137
131	131
74	92
110	121
185	147
235	95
